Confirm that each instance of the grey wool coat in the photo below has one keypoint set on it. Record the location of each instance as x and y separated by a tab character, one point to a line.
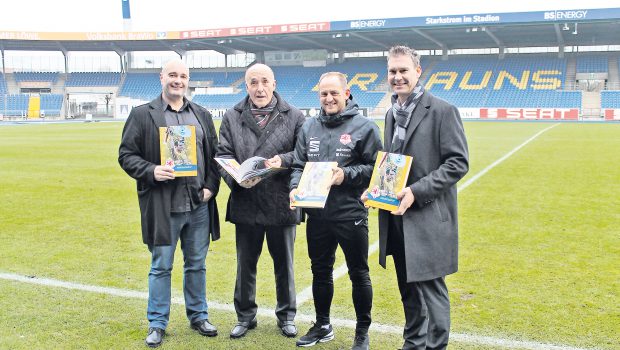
138	155
436	140
267	203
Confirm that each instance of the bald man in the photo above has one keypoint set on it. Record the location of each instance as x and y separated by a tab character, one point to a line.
262	124
172	207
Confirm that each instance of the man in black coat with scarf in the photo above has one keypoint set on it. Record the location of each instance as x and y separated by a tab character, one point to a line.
264	125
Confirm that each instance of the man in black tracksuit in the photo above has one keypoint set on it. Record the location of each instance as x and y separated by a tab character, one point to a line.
340	133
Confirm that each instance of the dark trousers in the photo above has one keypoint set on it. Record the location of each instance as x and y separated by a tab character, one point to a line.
280	242
426	303
324	236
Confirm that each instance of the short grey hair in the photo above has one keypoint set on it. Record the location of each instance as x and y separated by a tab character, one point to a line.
259	66
401	50
340	76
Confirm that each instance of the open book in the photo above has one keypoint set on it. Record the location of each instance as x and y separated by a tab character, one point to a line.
389	177
178	149
250	169
314	185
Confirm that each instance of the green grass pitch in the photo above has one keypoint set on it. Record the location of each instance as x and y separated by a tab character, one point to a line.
539	246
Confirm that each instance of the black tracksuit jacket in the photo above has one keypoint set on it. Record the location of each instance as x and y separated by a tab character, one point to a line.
349	139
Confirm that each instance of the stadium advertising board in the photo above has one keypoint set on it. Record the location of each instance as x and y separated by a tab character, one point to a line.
87	36
256	30
189	34
530	113
478	19
521	113
612	114
309	27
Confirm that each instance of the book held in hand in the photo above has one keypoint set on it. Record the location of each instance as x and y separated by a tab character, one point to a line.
250	169
389	177
314	185
178	149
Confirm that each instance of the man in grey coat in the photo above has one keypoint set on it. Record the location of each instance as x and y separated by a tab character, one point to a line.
422	234
264	125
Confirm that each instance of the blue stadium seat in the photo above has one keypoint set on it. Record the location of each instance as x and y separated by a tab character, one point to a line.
51	77
93	79
217	79
145	86
610	99
592	63
294	83
2	85
51	104
14	105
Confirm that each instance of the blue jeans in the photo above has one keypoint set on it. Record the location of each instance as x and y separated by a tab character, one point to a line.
193	229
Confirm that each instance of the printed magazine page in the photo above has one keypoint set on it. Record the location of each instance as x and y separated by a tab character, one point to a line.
249	169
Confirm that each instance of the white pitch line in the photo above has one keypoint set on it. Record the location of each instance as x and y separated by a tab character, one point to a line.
306	294
502	159
380	328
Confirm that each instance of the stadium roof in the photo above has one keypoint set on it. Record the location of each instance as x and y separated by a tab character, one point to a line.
581	27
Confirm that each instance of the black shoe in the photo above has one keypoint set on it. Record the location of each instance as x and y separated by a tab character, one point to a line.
361	341
288	328
155	337
204	327
242	328
317	334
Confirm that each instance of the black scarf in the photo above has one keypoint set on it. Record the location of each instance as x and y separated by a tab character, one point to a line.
263	115
402	116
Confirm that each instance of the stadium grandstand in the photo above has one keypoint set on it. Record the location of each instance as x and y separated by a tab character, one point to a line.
560	64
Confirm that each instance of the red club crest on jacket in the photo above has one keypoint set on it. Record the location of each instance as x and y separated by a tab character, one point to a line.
345	139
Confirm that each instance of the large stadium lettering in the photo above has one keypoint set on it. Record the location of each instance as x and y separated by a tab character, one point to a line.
446	78
546	80
540	80
361	80
465	85
520	84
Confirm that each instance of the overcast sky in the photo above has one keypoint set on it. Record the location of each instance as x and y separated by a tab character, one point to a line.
160	15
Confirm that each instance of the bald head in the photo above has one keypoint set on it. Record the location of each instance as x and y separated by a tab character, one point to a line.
174	79
260	84
174	64
260	69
